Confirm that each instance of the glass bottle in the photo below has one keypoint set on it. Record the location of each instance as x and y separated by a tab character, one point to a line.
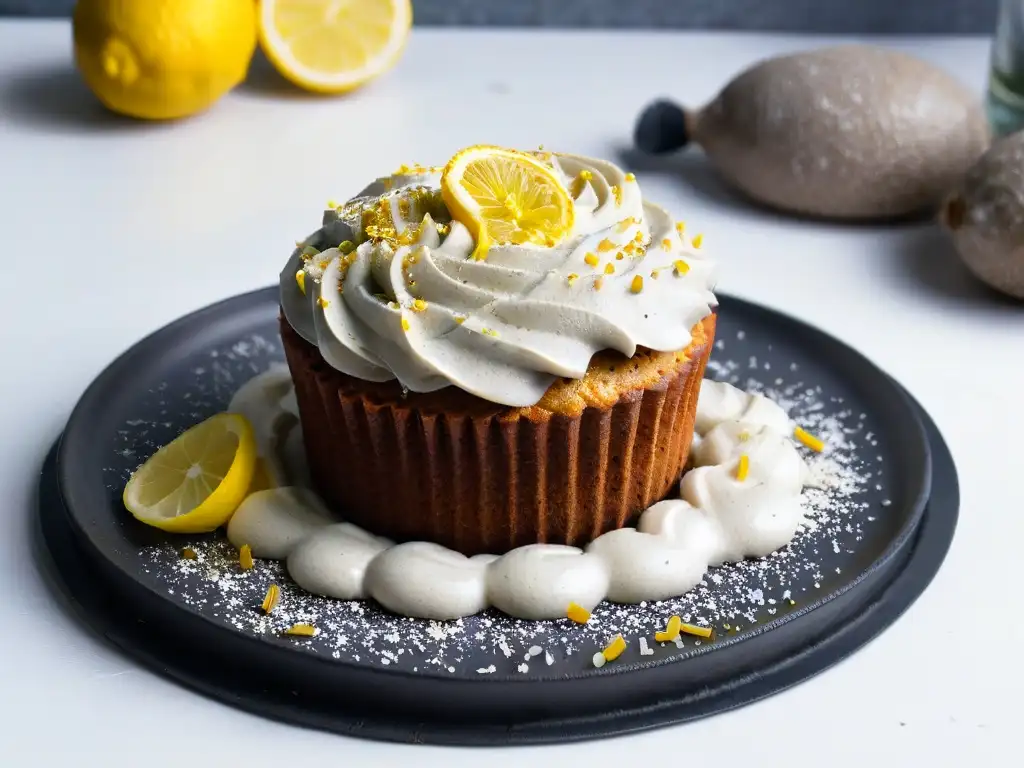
1006	70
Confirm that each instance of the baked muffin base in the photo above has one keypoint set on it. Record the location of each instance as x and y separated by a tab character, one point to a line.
477	477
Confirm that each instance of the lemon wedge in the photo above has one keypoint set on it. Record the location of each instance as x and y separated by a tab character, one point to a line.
333	46
196	482
503	196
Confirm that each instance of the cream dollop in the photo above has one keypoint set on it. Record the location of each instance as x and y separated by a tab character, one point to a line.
390	291
717	519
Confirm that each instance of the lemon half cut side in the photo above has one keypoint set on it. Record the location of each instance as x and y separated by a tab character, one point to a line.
333	46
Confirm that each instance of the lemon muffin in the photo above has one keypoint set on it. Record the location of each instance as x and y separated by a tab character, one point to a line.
503	351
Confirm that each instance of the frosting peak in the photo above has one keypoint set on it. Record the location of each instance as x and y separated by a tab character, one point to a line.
388	287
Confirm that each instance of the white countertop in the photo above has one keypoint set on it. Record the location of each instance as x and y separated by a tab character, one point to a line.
110	229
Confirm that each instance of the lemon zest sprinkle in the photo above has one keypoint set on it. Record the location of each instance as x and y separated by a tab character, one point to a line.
609	268
576	612
620	256
654	274
419	305
405	324
301	630
614	649
814	443
630	177
572	278
666	244
300	280
606	245
671	630
681	266
743	467
598	283
322	302
591	259
488	332
245	557
697	240
617	193
637	285
333	204
271	598
693	629
680	227
189	554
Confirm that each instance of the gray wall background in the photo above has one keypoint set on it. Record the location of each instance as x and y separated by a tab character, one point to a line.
835	16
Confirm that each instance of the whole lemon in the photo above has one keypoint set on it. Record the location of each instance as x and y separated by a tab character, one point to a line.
163	59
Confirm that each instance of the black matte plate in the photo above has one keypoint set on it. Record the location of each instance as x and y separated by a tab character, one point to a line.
189	370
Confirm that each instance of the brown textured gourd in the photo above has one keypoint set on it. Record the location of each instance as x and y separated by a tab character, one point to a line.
849	132
985	217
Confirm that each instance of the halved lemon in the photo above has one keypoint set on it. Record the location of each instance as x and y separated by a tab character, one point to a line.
333	46
196	482
504	196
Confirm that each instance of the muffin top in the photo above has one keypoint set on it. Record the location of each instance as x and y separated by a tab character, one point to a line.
496	274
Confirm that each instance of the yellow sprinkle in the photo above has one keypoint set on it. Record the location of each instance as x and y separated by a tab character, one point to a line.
630	248
333	203
680	227
743	468
591	259
620	256
626	223
692	629
540	147
572	278
609	269
637	285
577	613
271	598
697	241
598	283
639	237
419	305
323	263
300	279
245	557
630	177
189	554
488	332
671	630
812	442
405	324
346	247
460	320
617	194
301	630
654	274
614	649
322	302
605	245
580	182
443	229
681	266
666	244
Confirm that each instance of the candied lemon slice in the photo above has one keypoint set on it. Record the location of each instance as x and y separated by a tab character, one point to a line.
333	46
503	196
196	482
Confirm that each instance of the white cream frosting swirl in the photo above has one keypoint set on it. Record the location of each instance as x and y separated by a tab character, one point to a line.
404	299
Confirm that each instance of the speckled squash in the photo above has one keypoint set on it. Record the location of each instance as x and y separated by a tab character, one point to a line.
850	132
985	217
